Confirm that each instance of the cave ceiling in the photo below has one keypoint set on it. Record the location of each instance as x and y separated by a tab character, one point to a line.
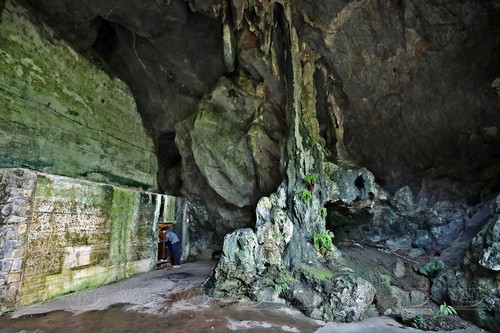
414	82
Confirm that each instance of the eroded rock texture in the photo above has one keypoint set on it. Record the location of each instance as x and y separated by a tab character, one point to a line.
404	88
393	105
61	113
474	284
416	79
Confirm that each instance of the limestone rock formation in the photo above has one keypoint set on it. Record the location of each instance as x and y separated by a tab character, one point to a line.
474	284
253	264
405	88
379	116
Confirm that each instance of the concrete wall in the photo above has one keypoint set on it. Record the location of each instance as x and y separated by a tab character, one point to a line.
62	114
59	235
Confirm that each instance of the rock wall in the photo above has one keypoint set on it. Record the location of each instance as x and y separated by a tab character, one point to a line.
473	285
61	235
63	114
407	89
416	84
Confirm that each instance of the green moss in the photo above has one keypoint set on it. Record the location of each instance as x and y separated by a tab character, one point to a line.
90	282
97	257
169	209
53	107
122	215
33	161
285	277
317	273
76	238
79	268
118	179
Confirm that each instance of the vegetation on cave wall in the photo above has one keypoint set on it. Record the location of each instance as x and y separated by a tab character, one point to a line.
82	235
63	114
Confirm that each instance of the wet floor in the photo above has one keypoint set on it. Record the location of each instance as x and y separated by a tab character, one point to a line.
166	300
172	300
117	319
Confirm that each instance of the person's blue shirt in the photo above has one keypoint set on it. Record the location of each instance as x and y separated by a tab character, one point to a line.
172	237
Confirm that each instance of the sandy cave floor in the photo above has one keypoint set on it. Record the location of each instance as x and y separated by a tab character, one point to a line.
172	300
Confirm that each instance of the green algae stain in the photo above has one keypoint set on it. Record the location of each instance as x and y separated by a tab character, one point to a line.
52	97
122	215
84	235
99	257
317	273
77	238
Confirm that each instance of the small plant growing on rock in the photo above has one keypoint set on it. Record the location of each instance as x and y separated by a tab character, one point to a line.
419	322
323	242
281	287
312	141
306	195
447	309
431	269
322	212
434	315
311	180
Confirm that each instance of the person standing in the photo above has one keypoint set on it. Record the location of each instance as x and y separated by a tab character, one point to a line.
174	245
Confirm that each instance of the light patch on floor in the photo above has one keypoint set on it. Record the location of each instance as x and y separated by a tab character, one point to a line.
195	303
234	325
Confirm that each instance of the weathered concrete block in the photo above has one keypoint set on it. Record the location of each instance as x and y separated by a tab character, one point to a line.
84	234
13	219
21	229
14	277
5	265
7	209
77	256
28	193
17	264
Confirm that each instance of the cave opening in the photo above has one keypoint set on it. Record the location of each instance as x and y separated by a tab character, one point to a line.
106	41
168	152
169	163
359	183
346	222
422	221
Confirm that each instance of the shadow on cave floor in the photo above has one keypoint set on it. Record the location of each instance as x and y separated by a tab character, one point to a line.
172	300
